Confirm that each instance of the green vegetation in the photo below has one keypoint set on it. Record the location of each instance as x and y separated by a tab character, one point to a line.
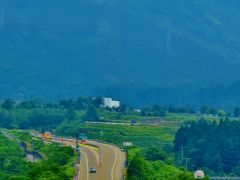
212	146
58	164
161	135
48	116
12	159
168	47
154	127
51	160
142	168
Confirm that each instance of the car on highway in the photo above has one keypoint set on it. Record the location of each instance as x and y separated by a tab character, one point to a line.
93	170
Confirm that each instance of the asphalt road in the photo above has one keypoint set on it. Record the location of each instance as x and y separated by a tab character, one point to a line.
107	159
89	158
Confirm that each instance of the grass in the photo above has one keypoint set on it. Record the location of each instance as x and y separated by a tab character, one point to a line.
70	171
14	153
179	117
12	159
145	135
159	135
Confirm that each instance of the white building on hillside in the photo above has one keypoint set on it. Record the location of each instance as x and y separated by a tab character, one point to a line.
108	102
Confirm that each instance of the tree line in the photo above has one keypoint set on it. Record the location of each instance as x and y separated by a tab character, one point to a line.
48	115
213	146
56	162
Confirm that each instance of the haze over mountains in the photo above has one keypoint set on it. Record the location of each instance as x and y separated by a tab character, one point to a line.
138	51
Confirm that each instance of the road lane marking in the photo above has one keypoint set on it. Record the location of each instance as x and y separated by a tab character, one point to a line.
95	154
90	146
85	155
115	161
115	152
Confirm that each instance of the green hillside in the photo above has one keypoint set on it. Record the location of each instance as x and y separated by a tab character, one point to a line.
167	51
52	161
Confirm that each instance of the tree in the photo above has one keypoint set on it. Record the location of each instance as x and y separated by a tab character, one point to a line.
143	112
123	109
81	103
159	110
8	104
205	109
214	146
71	114
5	121
236	112
91	114
154	154
98	102
221	113
214	111
185	176
139	169
30	104
171	109
67	103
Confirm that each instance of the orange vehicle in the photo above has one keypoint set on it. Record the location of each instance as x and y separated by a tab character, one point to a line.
47	135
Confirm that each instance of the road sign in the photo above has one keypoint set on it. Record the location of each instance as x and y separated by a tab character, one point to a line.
82	136
127	144
199	174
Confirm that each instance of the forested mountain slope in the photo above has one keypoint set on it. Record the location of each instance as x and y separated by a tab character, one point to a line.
167	51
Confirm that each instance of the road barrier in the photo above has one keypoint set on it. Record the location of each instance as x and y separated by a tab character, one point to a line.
225	178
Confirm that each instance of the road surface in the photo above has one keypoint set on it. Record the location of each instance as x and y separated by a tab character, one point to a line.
89	158
107	159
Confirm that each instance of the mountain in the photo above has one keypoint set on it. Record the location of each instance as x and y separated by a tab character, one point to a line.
138	51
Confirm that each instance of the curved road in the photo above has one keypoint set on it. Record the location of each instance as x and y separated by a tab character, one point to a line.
107	159
89	158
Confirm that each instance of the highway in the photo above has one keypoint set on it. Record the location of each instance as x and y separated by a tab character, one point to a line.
107	159
89	158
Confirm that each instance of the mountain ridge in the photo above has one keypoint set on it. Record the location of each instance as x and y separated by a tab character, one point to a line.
56	49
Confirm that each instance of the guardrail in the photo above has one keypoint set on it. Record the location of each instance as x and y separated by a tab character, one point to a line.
224	178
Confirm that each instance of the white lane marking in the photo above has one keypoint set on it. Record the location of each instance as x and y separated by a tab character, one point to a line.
115	161
85	155
94	154
115	152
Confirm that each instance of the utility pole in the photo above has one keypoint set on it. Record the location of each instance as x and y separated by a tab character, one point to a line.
182	153
183	158
186	163
77	145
